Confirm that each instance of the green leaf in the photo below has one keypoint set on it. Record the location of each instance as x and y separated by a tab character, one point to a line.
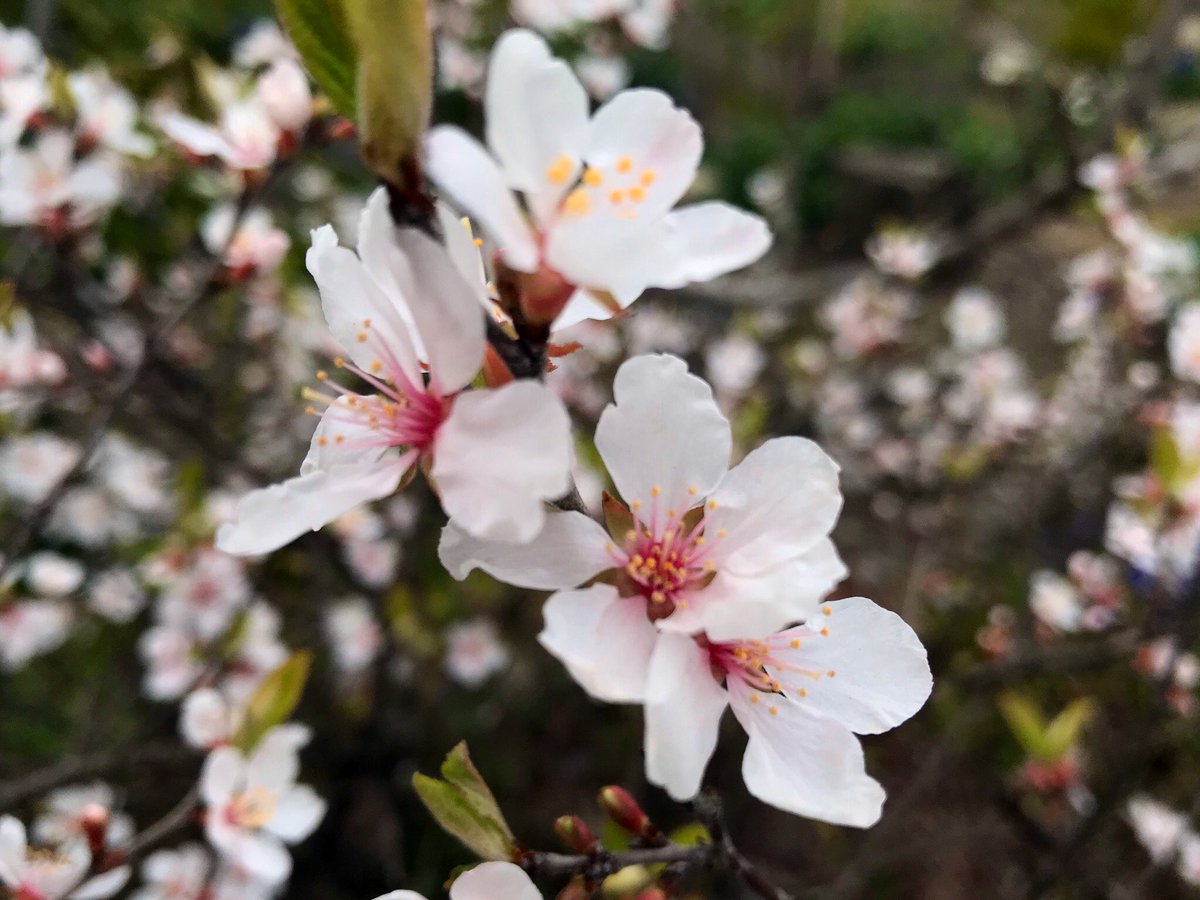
1025	720
319	30
274	701
1063	733
464	806
395	82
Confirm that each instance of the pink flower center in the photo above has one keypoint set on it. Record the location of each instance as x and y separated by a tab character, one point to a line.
252	808
401	414
771	666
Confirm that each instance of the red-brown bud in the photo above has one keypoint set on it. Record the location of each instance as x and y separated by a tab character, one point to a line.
575	890
574	834
93	820
620	806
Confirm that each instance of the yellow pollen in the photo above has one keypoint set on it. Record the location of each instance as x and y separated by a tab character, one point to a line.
578	202
681	604
658	596
699	541
625	165
710	566
721	532
339	438
831	673
631	535
754	698
560	170
712	504
366	323
592	178
339	361
635	505
670	515
322	441
825	610
376	365
649	177
773	710
795	644
616	196
803	692
362	337
609	548
656	491
825	632
693	490
311	410
637	194
478	242
322	375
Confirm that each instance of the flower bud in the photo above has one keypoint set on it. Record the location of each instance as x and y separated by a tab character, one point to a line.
574	834
284	93
575	890
620	806
93	820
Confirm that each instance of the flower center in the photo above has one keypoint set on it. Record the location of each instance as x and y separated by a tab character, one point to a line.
617	189
252	808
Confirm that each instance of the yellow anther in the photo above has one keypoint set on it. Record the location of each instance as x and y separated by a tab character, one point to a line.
609	548
754	698
322	375
825	632
478	242
649	177
699	541
831	673
631	535
339	361
311	410
658	597
625	164
637	194
803	692
339	438
376	365
560	170
670	515
362	337
693	490
721	532
578	202
322	441
616	196
773	710
826	611
366	323
712	504
635	505
592	178
656	491
795	644
710	566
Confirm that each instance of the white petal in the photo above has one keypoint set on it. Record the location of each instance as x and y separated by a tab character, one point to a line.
299	812
266	519
196	136
274	764
499	455
775	504
712	239
605	641
799	761
665	432
326	451
494	881
683	715
881	669
537	112
582	305
12	850
402	895
356	307
646	126
608	254
264	855
568	551
223	770
460	244
464	172
102	886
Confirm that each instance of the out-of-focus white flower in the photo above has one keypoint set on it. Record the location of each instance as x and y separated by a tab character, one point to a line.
51	575
30	628
494	455
172	659
865	316
474	652
1166	835
255	806
262	44
284	93
1184	343
92	517
603	74
23	364
107	114
206	595
116	595
1008	61
354	634
179	874
600	190
137	476
975	320
43	873
45	185
207	720
733	363
487	881
1055	601
459	67
256	247
708	547
904	252
246	137
63	815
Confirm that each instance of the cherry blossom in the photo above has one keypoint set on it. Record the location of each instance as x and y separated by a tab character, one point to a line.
207	719
178	874
23	362
257	246
493	455
474	652
487	881
355	635
710	548
598	191
255	806
45	185
62	815
51	873
106	114
246	136
20	53
116	595
30	628
975	320
1184	343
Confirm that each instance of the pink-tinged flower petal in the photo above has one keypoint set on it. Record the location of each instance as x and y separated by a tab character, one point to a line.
463	251
430	293
775	504
606	254
402	895
605	641
874	672
223	769
102	886
13	844
262	854
664	441
568	551
733	607
463	171
582	305
274	764
537	117
198	137
712	239
499	455
683	715
341	438
802	762
363	319
642	130
297	814
494	881
270	517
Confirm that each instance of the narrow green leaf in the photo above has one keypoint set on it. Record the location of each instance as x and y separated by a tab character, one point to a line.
319	30
274	701
456	813
1064	732
1026	722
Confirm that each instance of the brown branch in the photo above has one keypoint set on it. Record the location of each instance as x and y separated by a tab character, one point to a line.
66	771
